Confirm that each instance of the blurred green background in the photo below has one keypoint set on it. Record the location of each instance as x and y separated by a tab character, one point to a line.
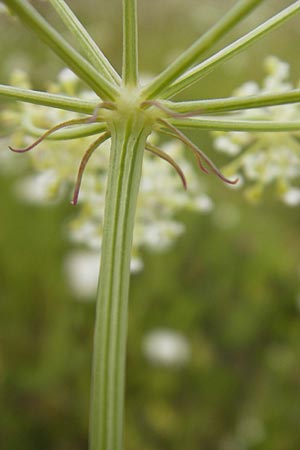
230	285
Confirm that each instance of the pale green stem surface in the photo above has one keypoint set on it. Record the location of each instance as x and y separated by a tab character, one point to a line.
231	50
233	103
88	45
221	124
63	50
107	401
130	43
193	53
45	99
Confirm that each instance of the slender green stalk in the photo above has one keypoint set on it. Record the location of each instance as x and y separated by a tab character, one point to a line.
130	43
63	50
46	99
88	45
220	124
193	53
232	103
107	402
231	50
75	132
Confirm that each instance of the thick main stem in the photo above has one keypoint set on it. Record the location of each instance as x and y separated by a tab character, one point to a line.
107	402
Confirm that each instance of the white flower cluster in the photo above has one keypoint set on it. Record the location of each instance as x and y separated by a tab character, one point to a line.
3	8
56	164
266	158
167	348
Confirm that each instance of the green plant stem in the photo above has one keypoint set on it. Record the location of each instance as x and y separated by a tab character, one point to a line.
233	103
107	402
88	45
193	53
130	43
231	50
63	50
45	99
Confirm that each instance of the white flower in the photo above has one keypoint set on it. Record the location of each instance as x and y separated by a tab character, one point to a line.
66	76
292	197
226	145
266	158
40	189
82	270
136	265
278	73
3	9
280	162
82	267
248	88
166	347
204	203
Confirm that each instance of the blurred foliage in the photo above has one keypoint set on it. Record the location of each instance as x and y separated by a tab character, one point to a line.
231	285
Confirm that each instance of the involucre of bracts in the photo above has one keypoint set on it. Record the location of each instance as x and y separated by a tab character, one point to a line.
161	193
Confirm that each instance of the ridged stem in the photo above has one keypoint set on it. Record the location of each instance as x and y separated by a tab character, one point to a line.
107	402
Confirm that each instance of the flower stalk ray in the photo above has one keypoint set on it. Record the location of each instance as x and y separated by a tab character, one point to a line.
237	124
86	129
63	102
200	107
45	135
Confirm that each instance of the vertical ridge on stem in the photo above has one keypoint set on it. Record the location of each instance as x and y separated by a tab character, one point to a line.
107	402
